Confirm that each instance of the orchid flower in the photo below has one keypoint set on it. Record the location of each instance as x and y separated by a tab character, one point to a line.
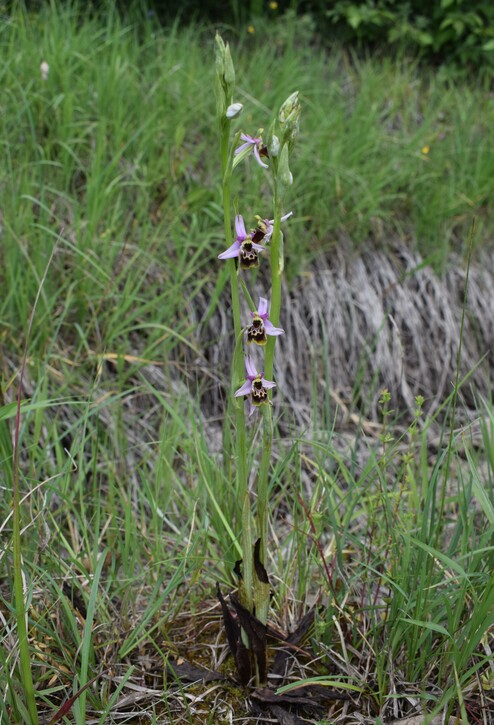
255	386
256	144
261	326
243	247
264	229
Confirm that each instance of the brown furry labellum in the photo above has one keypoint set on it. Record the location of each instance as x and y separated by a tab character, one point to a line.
259	394
256	332
249	258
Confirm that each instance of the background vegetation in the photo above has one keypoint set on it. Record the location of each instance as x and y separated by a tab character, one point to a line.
460	32
110	184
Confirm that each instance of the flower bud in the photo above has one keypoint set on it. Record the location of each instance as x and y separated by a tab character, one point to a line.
220	56
285	176
234	110
289	106
229	72
289	118
274	146
225	72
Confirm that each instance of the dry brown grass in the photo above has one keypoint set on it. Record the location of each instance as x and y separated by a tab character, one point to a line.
377	319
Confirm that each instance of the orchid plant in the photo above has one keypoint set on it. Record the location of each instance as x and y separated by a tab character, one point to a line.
264	241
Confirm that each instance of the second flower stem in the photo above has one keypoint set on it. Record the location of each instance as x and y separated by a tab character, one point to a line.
276	263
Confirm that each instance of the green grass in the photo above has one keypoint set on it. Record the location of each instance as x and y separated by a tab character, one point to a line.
129	509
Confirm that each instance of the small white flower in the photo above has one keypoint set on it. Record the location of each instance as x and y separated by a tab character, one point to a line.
45	69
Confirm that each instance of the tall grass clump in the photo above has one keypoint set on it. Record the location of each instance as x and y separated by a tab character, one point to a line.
413	577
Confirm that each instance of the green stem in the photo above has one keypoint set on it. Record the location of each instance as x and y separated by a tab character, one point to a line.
246	585
238	375
262	603
276	262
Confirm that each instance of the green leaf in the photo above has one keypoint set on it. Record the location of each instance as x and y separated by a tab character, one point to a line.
321	680
425	38
427	625
354	18
438	555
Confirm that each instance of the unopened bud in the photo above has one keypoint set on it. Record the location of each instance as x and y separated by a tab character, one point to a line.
44	69
220	56
274	146
225	72
285	176
289	118
234	110
289	106
229	72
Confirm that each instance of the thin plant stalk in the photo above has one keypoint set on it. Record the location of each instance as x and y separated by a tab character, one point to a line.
276	263
282	177
262	596
238	364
